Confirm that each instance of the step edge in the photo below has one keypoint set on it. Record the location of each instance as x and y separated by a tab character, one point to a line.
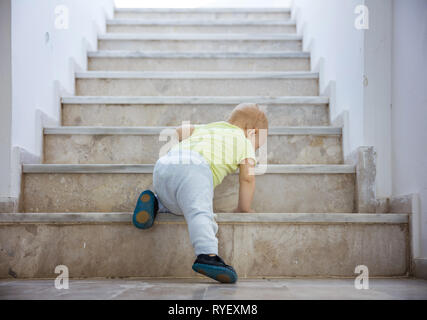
94	130
231	218
316	100
200	36
195	75
129	54
170	22
148	169
202	10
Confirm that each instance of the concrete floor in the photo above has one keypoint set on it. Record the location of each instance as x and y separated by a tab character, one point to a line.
201	289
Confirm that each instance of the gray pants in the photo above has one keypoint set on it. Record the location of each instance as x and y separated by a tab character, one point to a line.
184	186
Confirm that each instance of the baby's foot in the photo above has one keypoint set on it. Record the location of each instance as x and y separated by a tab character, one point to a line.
215	268
146	210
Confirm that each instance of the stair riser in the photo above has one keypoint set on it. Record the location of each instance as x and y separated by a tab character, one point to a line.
117	192
150	64
174	115
204	16
202	45
145	149
255	250
140	29
197	87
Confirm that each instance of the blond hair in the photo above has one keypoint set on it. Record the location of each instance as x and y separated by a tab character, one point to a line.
248	116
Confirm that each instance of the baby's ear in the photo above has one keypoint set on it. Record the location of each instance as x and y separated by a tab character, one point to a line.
251	132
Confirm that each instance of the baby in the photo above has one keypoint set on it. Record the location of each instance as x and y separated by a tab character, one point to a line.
184	181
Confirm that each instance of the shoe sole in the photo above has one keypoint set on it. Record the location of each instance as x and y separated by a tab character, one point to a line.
144	213
221	274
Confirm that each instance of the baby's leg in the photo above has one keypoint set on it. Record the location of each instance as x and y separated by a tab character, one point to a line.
188	189
166	178
195	197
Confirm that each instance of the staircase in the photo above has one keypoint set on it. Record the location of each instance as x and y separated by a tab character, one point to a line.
154	69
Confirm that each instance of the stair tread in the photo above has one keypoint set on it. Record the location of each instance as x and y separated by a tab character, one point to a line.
118	217
168	22
148	168
192	55
95	130
196	75
200	36
190	10
194	99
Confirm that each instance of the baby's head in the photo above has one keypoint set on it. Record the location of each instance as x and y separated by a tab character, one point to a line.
250	118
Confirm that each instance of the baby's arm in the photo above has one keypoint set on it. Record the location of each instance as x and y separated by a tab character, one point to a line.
247	186
184	131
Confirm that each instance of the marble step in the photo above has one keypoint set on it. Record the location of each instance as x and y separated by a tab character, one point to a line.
171	111
214	61
215	42
207	14
98	83
144	145
199	26
112	188
257	245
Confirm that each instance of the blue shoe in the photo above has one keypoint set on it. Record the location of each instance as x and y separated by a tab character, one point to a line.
146	210
215	268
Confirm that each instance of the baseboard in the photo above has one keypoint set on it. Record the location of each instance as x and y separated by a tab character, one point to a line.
410	203
364	158
9	205
401	204
20	156
420	268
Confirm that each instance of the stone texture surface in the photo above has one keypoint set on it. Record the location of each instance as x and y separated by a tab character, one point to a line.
321	250
283	16
194	64
292	193
201	29
87	192
401	203
196	87
420	268
173	115
255	250
135	149
201	46
200	289
225	217
9	205
364	158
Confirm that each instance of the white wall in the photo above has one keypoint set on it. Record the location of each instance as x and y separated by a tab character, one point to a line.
380	76
337	49
38	59
409	99
5	99
377	90
357	63
41	57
